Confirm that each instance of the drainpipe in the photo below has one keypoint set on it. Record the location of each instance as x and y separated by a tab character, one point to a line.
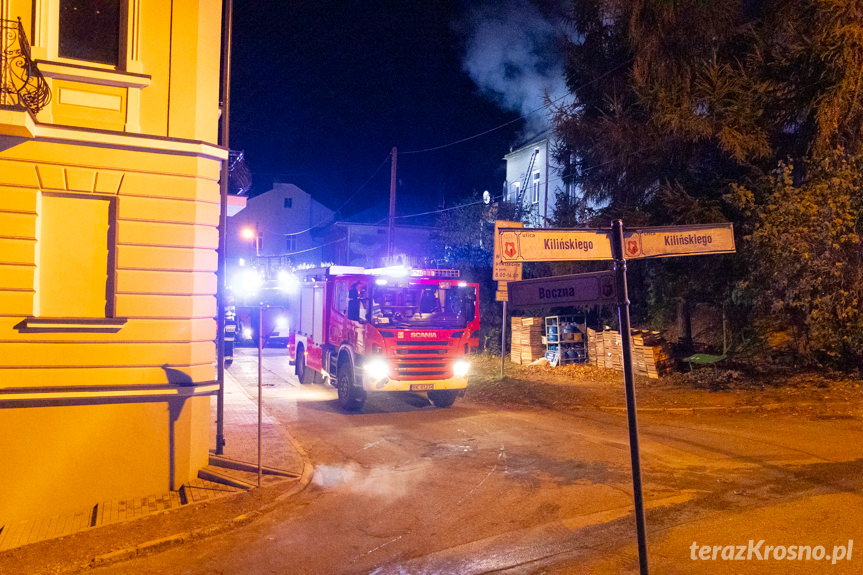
223	227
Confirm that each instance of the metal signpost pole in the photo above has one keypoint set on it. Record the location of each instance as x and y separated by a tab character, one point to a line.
502	339
629	384
521	244
503	274
260	386
258	248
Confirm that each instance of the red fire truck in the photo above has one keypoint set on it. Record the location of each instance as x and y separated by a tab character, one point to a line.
389	329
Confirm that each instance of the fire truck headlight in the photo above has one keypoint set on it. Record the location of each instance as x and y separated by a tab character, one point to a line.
460	368
377	368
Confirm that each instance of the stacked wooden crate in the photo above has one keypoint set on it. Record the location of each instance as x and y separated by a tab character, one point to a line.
595	348
532	347
526	339
613	349
515	341
653	353
651	356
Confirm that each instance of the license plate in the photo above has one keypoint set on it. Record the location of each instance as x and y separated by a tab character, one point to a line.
422	386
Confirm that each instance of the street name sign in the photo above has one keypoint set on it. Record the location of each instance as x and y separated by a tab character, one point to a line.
577	289
516	244
502	271
501	293
668	241
553	244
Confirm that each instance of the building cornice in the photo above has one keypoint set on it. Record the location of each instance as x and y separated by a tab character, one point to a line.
92	75
71	395
127	141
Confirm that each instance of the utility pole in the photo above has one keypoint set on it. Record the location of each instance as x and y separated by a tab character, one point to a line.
392	207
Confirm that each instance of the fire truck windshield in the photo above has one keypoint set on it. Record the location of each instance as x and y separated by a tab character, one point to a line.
429	305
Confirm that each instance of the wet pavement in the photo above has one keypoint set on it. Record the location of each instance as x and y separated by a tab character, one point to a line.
408	488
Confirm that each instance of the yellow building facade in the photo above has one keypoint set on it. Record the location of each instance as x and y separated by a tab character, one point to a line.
109	213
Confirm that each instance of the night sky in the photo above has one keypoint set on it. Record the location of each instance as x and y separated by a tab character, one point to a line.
322	91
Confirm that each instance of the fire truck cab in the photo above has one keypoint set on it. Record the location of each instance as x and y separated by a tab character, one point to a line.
388	329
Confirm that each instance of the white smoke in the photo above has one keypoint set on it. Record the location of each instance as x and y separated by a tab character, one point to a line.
384	482
512	53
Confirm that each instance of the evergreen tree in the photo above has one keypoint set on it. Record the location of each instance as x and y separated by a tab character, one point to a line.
676	103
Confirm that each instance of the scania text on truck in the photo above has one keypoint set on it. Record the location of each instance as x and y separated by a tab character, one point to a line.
384	329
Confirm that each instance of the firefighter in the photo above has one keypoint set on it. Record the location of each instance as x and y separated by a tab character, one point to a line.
357	297
230	328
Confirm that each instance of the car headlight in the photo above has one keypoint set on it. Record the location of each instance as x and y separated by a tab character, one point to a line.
377	368
460	368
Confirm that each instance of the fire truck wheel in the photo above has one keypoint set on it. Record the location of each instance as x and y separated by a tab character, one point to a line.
350	397
443	397
304	374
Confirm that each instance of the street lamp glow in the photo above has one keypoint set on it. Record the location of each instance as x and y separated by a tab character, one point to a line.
247	233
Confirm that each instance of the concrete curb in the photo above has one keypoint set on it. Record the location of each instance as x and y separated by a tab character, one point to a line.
766	407
177	539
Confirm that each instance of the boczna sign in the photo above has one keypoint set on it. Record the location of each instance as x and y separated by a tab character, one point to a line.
577	289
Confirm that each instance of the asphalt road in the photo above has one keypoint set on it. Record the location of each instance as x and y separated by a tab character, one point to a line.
405	487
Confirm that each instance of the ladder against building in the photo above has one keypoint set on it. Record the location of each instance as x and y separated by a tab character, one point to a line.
527	173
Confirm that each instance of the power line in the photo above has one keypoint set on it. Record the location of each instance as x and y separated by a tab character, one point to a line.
288	254
440	211
454	143
505	124
523	116
345	203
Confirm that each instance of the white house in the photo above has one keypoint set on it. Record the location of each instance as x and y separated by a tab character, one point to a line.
365	244
285	217
533	178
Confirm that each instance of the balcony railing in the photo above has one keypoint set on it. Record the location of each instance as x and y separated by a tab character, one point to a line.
21	83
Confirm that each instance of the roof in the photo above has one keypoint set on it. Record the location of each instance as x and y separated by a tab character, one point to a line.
541	137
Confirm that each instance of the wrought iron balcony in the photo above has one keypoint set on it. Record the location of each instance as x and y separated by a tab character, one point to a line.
21	83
